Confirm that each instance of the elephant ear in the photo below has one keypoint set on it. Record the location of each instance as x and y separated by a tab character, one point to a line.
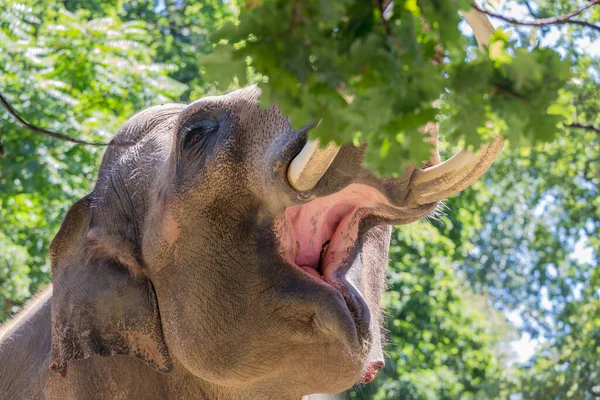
99	306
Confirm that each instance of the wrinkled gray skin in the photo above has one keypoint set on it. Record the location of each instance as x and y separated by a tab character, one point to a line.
167	281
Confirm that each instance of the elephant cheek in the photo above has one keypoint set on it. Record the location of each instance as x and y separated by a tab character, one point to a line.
161	242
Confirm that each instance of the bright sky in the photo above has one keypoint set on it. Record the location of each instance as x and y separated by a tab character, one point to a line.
520	12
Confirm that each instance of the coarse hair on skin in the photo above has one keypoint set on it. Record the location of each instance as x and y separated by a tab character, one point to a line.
30	305
436	214
27	352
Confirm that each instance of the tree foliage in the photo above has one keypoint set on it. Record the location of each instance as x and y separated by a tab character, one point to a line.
379	79
523	241
73	75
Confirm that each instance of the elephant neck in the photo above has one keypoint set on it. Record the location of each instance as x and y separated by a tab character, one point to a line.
27	338
182	384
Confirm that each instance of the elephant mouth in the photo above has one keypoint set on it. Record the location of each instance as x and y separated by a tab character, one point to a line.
320	236
322	239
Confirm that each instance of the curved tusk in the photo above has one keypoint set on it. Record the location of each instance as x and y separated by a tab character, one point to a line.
481	25
459	172
453	175
309	166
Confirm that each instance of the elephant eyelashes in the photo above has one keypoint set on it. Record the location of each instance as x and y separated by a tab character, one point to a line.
197	131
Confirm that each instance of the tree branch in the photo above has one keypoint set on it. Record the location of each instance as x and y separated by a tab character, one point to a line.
583	126
55	135
530	9
587	96
559	20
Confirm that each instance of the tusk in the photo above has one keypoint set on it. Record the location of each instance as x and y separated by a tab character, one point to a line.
454	175
459	172
481	25
479	22
309	166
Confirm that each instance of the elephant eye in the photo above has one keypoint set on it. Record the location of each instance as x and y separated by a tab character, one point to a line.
197	131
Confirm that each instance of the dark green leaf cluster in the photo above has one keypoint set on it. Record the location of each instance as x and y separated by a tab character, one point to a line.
380	79
516	90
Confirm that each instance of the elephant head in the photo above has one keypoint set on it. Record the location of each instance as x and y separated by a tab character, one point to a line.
225	245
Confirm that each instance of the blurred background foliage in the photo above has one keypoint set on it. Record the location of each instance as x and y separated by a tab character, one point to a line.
514	259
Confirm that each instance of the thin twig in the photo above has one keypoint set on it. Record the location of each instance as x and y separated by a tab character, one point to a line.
530	9
584	23
584	126
295	16
54	135
559	20
587	96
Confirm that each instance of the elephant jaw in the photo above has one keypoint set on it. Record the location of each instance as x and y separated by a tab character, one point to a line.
318	236
322	238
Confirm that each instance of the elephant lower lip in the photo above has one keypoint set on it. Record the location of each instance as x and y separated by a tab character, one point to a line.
372	370
321	238
312	271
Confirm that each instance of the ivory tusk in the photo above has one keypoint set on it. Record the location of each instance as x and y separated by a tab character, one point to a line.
453	175
309	166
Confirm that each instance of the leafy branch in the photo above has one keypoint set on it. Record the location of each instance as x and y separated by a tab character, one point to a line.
587	96
541	22
587	127
55	135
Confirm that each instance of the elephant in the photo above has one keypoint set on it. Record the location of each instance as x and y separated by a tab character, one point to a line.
221	255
